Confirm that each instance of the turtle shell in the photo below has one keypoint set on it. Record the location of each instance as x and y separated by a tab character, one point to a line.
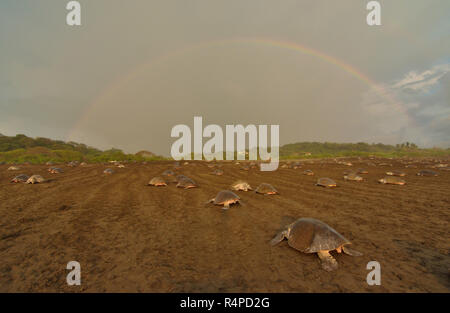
225	195
326	182
168	173
353	176
393	180
20	178
217	172
309	235
108	171
265	189
308	172
395	173
35	179
241	185
157	181
55	170
427	173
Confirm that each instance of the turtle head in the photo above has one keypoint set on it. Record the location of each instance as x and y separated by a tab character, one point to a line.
281	235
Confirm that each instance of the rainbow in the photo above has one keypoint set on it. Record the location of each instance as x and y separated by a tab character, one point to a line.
352	71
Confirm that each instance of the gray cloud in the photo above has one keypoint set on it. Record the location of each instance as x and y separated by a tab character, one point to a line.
126	77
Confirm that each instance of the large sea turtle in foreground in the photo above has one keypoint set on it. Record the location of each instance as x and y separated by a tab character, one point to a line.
393	180
35	179
309	235
225	198
157	181
22	178
266	189
326	182
241	185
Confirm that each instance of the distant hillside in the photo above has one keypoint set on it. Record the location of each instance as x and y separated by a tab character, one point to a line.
21	149
330	149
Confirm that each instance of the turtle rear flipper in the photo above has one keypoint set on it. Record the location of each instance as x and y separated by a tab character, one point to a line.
350	251
278	238
327	261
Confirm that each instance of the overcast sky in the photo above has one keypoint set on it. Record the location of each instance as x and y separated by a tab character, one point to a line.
135	69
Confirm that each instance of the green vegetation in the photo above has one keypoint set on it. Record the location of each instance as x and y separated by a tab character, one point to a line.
21	149
303	150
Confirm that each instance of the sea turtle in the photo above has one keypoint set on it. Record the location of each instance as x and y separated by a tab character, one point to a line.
217	172
308	172
362	171
326	182
49	163
396	173
245	168
168	173
225	198
35	179
72	163
108	171
186	183
13	168
393	180
22	178
157	181
55	170
266	189
309	235
120	166
427	173
241	185
353	177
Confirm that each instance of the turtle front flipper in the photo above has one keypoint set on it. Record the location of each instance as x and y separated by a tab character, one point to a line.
350	251
278	238
226	206
327	261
